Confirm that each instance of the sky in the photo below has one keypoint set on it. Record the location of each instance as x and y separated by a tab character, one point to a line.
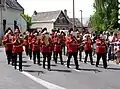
51	5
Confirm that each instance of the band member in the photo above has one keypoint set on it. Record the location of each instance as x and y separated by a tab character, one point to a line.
36	48
71	43
25	42
63	41
58	48
80	45
17	42
46	48
88	49
30	45
7	41
101	51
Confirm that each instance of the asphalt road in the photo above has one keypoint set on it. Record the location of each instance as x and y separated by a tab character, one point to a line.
60	77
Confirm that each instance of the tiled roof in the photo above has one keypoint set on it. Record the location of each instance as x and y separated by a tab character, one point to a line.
50	16
77	22
14	4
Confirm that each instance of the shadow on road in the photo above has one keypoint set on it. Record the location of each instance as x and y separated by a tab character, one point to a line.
113	68
94	70
68	71
35	71
26	65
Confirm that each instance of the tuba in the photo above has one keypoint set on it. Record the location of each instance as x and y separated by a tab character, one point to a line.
46	40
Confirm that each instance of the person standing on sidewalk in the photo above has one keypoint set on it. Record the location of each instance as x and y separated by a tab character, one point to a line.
101	51
7	41
17	42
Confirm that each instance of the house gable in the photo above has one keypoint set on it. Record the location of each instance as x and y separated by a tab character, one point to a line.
62	19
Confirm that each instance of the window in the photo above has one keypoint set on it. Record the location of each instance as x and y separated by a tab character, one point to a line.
4	25
0	1
63	20
15	24
58	20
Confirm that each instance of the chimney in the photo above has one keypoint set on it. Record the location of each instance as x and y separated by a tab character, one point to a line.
65	12
35	12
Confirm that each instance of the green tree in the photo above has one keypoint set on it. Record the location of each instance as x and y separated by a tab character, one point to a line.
105	16
27	19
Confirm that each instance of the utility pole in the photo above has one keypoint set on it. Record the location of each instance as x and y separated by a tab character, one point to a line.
73	15
81	19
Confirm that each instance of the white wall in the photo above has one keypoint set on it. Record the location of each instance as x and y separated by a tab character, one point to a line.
48	25
10	15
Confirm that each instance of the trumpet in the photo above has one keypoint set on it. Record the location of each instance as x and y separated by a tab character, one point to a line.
21	36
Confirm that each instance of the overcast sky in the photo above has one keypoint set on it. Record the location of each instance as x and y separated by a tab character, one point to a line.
51	5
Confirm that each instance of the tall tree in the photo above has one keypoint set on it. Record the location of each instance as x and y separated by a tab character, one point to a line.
28	19
105	16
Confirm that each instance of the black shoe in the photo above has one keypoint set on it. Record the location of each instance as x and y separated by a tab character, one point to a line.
77	67
68	66
62	63
92	64
49	69
85	62
20	70
96	65
43	67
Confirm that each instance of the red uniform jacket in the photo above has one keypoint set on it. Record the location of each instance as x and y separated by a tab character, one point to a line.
25	41
35	44
63	40
101	46
71	45
7	43
46	48
87	45
29	42
57	46
17	46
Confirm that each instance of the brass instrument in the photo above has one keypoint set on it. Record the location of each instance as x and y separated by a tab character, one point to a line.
21	36
46	40
18	38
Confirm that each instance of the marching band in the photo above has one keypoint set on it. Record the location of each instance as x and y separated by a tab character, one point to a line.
37	43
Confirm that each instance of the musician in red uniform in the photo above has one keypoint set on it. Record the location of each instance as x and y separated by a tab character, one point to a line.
88	49
30	45
71	43
58	48
25	42
7	41
46	48
63	41
80	45
101	51
36	48
17	42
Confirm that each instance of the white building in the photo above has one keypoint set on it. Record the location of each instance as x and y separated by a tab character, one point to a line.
10	16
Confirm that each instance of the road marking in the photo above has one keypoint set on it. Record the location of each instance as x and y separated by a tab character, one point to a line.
42	82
